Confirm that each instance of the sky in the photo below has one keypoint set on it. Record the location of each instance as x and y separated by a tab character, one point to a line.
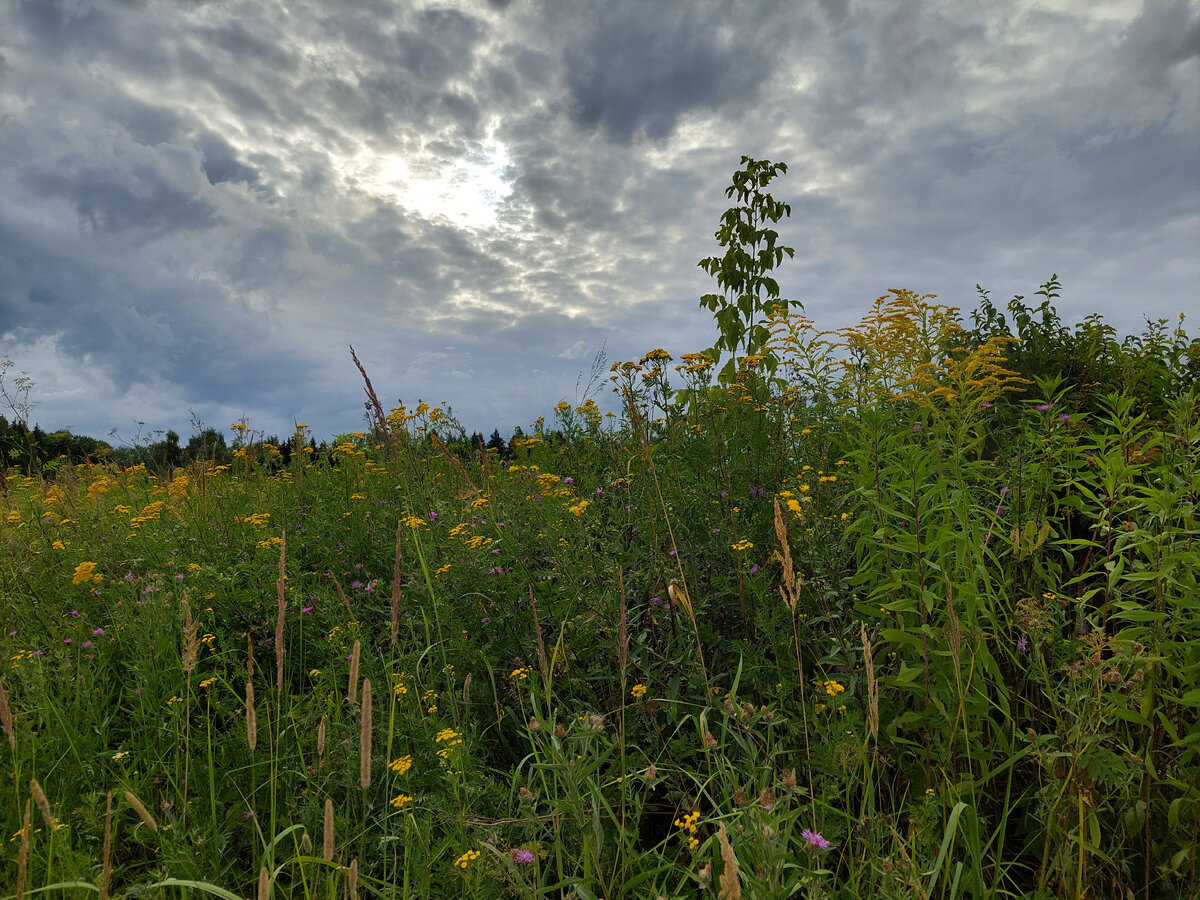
203	205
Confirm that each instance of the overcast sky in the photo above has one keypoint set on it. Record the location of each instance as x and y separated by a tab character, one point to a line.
202	204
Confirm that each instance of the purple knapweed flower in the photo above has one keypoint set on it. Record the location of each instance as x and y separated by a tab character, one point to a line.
96	632
568	480
524	857
1044	407
1064	417
75	613
815	839
754	569
1023	643
305	609
86	645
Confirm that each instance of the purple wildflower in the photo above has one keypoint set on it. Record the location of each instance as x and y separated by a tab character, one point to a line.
96	632
1064	417
305	609
815	839
75	613
754	569
86	645
1044	407
1023	643
568	480
524	857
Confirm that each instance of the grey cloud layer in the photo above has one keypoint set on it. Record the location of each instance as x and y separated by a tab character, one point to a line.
215	198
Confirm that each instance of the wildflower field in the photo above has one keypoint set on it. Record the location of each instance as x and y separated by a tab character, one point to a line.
908	610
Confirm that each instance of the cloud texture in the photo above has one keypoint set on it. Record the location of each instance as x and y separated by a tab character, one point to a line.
206	202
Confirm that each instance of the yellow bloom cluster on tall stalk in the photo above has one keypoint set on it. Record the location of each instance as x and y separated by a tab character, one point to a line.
906	348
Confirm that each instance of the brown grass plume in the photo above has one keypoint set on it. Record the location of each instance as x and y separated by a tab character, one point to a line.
364	761
138	807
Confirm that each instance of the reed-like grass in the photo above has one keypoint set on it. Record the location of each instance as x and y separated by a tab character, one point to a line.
905	648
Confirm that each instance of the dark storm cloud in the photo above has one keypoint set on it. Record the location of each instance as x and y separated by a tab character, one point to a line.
635	69
206	202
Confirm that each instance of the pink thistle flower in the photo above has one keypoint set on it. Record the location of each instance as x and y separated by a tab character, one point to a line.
815	840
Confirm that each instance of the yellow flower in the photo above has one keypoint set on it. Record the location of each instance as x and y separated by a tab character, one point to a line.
464	861
743	545
206	682
519	674
414	522
400	800
638	691
401	765
449	736
85	572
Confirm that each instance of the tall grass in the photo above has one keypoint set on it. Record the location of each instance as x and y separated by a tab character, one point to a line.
912	628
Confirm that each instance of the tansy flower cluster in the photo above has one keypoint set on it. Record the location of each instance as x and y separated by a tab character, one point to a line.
86	573
690	824
464	861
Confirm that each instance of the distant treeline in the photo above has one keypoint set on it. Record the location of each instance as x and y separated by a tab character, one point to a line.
1089	358
33	450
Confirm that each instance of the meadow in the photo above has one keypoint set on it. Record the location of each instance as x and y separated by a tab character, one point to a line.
907	610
